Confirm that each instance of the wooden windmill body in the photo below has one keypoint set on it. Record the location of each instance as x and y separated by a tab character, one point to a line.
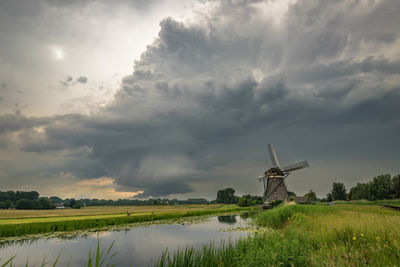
274	179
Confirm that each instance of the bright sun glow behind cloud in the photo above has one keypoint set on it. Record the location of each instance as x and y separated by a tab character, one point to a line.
58	54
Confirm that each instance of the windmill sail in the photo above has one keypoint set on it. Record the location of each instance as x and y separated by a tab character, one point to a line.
272	154
296	166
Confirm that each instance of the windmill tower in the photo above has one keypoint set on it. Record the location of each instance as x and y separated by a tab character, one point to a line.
274	179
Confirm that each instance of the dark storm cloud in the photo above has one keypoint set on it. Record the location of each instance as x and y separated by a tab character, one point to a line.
67	82
82	79
16	122
206	97
35	7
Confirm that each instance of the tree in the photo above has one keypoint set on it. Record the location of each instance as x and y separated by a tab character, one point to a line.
226	196
25	204
55	199
395	188
360	191
78	204
311	196
243	202
45	203
72	202
329	197
338	191
379	187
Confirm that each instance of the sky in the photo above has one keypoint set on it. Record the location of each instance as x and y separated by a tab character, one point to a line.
178	99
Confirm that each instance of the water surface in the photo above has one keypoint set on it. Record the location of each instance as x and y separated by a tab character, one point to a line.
138	246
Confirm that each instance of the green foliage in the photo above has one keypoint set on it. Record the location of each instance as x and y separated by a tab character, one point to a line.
338	192
311	196
276	218
78	204
301	243
25	204
249	200
227	196
45	203
381	187
100	257
243	202
55	199
8	230
276	203
9	199
395	187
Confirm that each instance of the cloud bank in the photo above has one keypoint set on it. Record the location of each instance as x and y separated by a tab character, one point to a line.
320	81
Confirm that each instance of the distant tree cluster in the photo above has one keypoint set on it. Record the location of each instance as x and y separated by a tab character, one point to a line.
381	187
72	203
227	196
142	202
24	200
311	196
338	192
249	200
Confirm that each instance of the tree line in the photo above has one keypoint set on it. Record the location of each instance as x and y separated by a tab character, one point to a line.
381	187
31	200
24	200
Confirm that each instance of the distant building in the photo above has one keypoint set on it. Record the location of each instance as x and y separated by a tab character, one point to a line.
59	206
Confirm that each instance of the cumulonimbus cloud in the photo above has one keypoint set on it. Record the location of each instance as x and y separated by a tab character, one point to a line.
203	86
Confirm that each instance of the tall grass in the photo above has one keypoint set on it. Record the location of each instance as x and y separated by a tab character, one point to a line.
97	258
207	256
276	218
308	236
395	202
9	230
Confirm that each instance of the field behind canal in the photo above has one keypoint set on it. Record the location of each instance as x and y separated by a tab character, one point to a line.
307	235
25	222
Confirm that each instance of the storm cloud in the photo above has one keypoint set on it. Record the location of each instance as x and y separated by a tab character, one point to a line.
320	82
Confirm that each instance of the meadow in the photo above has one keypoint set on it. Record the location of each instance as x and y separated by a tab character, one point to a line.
294	235
304	235
98	210
97	217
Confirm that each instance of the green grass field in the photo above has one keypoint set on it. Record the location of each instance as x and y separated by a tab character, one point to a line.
77	220
307	235
97	210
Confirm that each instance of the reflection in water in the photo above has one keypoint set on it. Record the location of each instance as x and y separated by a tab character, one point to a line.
228	219
138	246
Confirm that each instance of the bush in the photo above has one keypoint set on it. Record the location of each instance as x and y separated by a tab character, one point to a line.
243	202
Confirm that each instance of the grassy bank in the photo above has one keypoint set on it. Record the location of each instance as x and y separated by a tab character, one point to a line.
395	202
299	235
10	214
49	225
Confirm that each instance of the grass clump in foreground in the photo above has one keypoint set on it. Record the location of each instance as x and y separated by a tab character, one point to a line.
307	235
11	230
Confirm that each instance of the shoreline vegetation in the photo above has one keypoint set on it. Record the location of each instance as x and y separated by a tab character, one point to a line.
65	224
345	234
306	235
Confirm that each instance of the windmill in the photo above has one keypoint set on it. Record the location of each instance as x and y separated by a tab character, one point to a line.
274	179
